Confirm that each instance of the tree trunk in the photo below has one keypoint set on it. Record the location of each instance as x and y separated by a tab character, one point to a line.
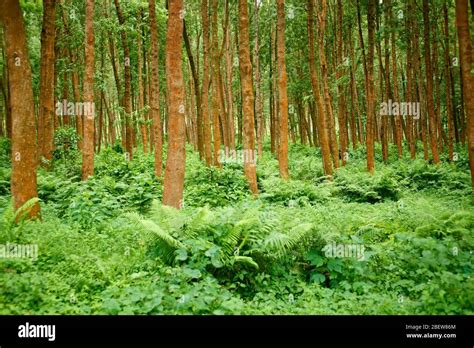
370	125
321	110
24	152
282	91
129	136
46	98
88	145
245	65
175	162
155	92
429	82
465	50
215	86
258	93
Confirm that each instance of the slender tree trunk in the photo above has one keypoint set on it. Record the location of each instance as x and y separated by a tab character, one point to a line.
465	50
197	93
129	132
370	125
247	98
329	114
449	101
282	91
321	119
229	77
175	162
155	92
341	102
88	146
46	98
141	94
24	152
205	84
215	85
429	82
258	93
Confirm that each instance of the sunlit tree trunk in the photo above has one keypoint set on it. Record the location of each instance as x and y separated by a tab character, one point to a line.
24	152
250	168
258	93
88	145
175	162
205	84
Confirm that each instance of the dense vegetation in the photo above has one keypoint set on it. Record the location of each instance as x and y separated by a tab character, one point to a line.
108	246
236	157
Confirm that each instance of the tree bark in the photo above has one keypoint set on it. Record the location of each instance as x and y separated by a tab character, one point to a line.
321	110
88	145
282	91
46	98
155	92
245	65
429	82
465	50
175	162
24	152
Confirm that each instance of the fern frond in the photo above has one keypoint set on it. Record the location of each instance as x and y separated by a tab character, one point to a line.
23	211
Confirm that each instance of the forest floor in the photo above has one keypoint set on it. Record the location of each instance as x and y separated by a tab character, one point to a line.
398	242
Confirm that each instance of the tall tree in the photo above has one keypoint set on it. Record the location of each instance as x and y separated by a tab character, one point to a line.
250	168
155	92
88	145
258	78
128	81
282	91
205	84
321	119
465	50
46	97
370	125
215	86
24	152
175	162
429	82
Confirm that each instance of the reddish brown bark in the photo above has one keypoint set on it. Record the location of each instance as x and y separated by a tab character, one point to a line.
282	91
321	110
175	162
465	50
250	169
215	86
429	82
129	133
205	84
24	152
155	92
370	125
88	145
46	98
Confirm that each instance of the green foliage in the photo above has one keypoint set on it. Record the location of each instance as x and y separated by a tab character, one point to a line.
107	246
65	142
215	187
